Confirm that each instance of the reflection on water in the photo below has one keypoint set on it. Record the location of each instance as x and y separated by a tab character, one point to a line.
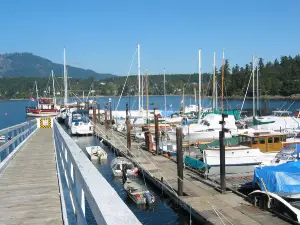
163	211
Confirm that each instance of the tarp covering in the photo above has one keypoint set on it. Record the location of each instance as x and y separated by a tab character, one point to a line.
282	179
195	163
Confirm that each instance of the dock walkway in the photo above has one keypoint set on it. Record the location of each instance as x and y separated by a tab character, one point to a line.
204	201
29	191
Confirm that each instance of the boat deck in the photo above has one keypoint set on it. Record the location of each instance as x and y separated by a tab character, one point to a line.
200	196
29	190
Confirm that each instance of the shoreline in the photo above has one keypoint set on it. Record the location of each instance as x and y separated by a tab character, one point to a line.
266	97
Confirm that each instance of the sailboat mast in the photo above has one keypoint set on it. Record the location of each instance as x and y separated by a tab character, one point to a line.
257	87
214	83
200	107
147	95
53	85
165	93
65	79
223	65
139	76
37	93
142	94
253	75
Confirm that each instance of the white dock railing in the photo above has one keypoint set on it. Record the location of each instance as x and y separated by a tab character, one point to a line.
81	182
13	137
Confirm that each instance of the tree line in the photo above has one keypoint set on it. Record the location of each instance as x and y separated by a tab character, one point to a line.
278	78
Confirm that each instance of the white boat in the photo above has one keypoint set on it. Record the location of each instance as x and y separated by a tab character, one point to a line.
253	149
81	128
118	163
96	152
93	152
207	129
137	192
48	114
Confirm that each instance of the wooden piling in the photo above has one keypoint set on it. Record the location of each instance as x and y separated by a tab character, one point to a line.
94	116
110	115
128	132
179	160
156	133
222	154
105	116
99	113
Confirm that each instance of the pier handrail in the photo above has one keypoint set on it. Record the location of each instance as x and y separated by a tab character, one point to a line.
14	136
85	184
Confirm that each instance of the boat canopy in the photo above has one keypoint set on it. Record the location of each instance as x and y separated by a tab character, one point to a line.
283	179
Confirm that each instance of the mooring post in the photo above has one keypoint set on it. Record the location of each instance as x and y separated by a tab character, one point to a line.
222	153
110	114
179	160
105	116
126	111
156	133
94	116
99	113
128	132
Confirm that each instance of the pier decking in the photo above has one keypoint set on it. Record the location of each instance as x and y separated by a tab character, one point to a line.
29	190
202	200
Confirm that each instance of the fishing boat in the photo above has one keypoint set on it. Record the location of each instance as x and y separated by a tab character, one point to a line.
93	152
138	193
252	149
96	152
119	163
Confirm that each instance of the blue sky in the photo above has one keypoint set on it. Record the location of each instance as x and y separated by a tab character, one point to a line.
102	35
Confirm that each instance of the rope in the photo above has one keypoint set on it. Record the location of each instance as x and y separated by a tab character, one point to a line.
246	93
126	78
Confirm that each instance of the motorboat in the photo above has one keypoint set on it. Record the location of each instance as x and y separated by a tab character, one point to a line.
96	152
82	128
93	152
252	150
206	130
137	192
119	163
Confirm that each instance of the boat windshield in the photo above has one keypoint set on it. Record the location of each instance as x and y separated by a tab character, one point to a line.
204	122
128	166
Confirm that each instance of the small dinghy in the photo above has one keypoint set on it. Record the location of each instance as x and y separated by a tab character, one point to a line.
119	163
137	192
96	152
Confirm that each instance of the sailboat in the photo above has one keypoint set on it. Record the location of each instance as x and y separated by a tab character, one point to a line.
46	107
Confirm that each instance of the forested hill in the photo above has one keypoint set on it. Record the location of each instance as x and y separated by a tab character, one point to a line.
278	78
29	65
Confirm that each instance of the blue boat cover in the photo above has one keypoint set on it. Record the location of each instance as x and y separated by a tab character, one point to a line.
282	179
196	163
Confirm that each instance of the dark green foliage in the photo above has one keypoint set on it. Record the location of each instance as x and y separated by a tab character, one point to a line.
29	65
281	77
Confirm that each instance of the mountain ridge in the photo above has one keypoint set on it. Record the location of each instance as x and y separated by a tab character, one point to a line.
26	64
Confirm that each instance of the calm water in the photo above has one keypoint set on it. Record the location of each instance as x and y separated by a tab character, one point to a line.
164	211
13	112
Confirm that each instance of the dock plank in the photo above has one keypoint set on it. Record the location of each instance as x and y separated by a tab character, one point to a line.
29	189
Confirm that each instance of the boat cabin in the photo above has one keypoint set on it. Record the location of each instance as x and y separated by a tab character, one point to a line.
46	103
282	113
266	141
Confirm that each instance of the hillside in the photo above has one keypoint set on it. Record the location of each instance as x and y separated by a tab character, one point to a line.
29	65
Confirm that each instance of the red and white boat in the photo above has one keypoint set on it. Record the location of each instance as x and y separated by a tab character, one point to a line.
46	108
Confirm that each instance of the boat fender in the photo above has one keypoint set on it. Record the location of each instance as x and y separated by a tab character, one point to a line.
135	170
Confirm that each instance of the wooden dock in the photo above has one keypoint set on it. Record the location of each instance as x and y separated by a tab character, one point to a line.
203	201
29	191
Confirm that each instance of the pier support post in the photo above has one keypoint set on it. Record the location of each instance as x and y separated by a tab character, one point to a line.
110	114
94	116
128	132
179	160
222	154
105	116
99	113
156	133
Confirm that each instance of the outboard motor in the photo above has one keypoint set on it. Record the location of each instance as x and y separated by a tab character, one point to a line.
149	198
